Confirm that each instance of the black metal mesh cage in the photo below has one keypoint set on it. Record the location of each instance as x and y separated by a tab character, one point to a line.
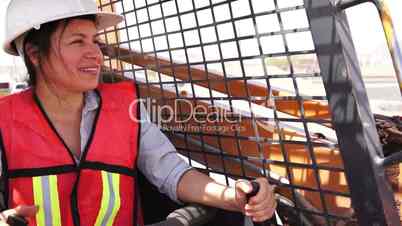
237	86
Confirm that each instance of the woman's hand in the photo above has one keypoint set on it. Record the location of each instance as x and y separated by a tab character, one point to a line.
23	211
195	187
260	207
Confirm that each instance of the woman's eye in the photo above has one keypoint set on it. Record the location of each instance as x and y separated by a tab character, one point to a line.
98	42
76	42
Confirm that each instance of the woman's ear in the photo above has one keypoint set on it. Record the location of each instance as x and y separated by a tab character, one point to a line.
32	53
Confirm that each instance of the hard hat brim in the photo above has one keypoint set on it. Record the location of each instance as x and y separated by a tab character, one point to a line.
103	20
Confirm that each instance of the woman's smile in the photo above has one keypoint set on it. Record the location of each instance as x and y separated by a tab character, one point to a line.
91	70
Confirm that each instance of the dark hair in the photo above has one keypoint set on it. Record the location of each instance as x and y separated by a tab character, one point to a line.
41	40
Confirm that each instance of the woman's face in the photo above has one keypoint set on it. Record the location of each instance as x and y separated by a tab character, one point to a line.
75	59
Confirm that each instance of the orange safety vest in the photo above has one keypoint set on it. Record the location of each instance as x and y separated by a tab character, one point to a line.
39	169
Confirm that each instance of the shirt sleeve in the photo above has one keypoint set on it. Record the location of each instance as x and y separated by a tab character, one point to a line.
158	159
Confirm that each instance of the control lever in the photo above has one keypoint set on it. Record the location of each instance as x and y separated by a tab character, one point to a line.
254	191
15	220
247	220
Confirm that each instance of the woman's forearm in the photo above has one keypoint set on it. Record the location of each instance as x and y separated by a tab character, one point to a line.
196	187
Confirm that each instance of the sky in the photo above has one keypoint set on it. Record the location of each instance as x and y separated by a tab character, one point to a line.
366	29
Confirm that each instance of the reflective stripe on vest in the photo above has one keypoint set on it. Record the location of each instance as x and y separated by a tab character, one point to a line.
110	199
46	197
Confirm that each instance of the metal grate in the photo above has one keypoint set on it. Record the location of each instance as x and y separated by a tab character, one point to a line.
237	87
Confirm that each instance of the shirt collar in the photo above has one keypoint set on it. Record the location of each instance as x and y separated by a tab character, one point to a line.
91	101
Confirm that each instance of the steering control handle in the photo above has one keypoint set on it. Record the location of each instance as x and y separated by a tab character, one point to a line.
15	220
254	191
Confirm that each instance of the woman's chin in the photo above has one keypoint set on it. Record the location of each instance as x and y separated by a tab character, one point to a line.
90	81
86	85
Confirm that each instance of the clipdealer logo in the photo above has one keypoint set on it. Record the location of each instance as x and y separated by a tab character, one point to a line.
186	115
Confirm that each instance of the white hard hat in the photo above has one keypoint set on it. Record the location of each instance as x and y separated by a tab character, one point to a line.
23	15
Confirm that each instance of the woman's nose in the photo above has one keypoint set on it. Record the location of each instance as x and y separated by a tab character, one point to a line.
94	52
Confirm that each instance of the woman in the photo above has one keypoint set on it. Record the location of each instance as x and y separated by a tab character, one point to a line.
69	148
